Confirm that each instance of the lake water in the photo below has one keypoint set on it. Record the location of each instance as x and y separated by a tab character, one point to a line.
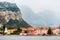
29	37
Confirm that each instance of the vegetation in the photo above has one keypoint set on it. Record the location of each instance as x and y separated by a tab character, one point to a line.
49	32
17	32
1	30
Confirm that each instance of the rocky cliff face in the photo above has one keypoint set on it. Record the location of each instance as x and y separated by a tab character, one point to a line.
10	12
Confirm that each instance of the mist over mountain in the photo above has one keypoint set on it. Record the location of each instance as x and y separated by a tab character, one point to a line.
45	18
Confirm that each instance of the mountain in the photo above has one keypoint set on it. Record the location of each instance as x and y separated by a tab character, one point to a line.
10	16
45	18
17	24
8	6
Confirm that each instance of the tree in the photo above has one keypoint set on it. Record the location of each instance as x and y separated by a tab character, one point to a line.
3	21
49	31
3	29
18	31
26	31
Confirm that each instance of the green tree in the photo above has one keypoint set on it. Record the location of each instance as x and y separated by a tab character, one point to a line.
49	31
18	31
3	21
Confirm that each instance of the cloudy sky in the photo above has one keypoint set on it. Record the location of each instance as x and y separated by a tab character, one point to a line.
39	5
41	12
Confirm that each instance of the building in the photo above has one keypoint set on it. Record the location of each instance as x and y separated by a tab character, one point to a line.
54	31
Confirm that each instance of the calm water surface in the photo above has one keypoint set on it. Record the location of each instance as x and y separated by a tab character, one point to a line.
29	37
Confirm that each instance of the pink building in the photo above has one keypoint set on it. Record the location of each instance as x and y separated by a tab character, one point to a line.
41	31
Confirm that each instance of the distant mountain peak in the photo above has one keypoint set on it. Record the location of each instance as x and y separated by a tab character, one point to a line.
8	6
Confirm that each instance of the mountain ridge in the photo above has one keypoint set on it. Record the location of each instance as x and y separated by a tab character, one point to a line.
11	14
